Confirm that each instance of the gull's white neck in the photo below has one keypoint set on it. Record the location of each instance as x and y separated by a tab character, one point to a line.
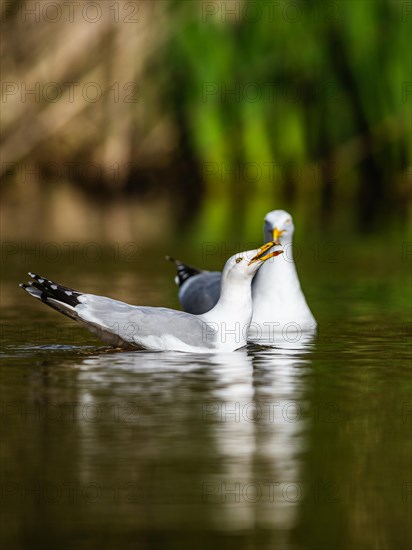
232	314
278	269
277	294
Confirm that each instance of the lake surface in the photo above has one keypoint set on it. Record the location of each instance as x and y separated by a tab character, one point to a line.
302	445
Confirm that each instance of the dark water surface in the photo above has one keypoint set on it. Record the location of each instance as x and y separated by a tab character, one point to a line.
304	445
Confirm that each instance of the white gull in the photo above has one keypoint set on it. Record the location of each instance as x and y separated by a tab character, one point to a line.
279	304
119	324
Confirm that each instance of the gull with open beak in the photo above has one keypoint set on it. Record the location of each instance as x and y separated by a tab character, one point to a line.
119	324
278	301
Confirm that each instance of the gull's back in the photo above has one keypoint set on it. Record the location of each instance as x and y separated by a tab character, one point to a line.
200	293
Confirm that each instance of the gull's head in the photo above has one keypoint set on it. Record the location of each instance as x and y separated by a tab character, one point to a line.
279	226
245	264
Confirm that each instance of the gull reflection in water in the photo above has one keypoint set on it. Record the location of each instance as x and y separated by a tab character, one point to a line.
257	415
240	414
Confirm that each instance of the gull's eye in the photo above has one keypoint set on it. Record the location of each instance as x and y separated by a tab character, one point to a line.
238	260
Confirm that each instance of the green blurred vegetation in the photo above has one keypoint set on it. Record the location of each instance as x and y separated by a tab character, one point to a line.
241	107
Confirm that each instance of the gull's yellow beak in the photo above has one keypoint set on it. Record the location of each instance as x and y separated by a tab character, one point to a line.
277	233
260	256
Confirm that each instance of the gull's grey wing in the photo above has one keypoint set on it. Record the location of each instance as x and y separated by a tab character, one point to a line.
200	293
120	324
199	290
145	327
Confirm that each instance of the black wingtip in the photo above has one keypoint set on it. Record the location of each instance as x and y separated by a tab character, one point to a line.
50	290
184	271
37	277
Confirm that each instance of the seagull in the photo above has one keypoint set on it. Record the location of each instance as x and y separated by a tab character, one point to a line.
223	328
278	301
277	295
